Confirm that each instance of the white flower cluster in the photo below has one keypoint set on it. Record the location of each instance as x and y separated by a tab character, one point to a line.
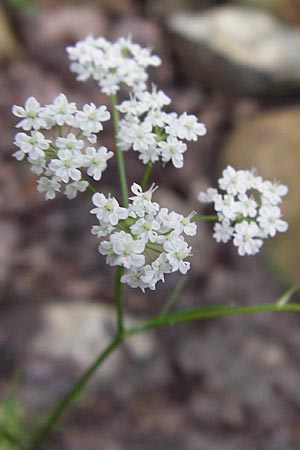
154	133
247	209
112	64
59	157
144	239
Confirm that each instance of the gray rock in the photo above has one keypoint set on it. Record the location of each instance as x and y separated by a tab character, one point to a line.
287	10
238	49
68	340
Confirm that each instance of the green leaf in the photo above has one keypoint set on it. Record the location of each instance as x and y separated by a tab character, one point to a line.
285	298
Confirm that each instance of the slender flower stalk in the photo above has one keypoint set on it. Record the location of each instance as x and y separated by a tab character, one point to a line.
118	300
40	435
146	175
120	158
165	318
204	218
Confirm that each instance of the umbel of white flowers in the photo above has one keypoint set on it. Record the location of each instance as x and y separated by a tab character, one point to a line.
60	142
247	208
144	238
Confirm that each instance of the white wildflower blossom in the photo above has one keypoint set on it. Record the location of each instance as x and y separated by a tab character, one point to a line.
50	186
61	111
90	118
96	161
66	165
30	115
124	250
57	143
148	245
33	145
112	64
246	237
72	189
172	150
270	220
223	231
176	251
272	192
70	142
154	133
186	127
247	208
108	209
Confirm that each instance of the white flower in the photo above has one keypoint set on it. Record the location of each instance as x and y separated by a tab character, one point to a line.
207	196
37	165
124	250
69	143
247	238
138	135
247	206
95	161
134	279
102	230
30	115
150	154
157	118
91	118
132	106
247	212
176	250
61	111
172	150
146	228
234	181
157	270
107	209
33	145
66	165
72	189
186	127
223	231
141	202
112	64
226	205
189	228
155	99
49	185
272	192
270	220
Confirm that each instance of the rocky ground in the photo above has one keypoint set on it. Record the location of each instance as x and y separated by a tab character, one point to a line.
225	384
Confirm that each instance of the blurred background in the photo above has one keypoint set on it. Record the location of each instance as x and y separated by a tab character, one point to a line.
226	384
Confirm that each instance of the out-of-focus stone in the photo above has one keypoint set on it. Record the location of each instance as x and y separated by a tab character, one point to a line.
9	47
238	49
70	337
162	7
271	143
287	10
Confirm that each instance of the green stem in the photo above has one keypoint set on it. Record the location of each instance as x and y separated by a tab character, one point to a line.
198	218
204	312
118	299
91	189
209	312
146	175
121	165
73	393
173	296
